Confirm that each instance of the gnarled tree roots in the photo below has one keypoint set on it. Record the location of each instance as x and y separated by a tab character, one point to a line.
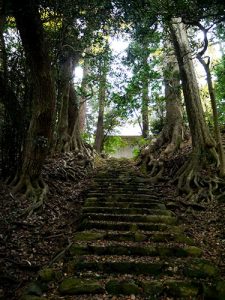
35	190
196	184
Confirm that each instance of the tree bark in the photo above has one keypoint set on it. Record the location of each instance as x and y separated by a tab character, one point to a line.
144	109
171	136
66	75
172	133
83	101
215	114
43	102
99	136
145	97
203	145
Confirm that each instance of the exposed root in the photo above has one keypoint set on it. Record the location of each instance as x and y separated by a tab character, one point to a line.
197	186
35	190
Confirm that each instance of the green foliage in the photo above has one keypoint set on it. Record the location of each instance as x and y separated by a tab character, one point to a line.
141	142
112	143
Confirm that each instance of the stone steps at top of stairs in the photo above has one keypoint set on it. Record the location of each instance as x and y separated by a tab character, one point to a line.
125	197
95	202
125	226
163	219
126	211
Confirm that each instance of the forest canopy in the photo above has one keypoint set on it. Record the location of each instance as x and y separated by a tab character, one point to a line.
45	110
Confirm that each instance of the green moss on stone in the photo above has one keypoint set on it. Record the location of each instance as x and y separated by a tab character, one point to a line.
139	237
47	275
201	269
182	289
129	287
113	287
125	287
152	288
184	239
88	236
193	251
76	286
133	228
78	250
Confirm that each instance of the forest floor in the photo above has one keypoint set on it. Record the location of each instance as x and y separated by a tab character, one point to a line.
29	244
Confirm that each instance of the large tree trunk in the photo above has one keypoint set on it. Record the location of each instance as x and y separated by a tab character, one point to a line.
215	114
40	130
84	90
99	136
171	136
172	133
202	143
73	129
66	75
144	109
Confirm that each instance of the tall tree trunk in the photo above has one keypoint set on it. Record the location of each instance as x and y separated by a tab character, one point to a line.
172	133
144	108
40	130
84	90
171	136
66	75
76	142
215	114
99	137
203	144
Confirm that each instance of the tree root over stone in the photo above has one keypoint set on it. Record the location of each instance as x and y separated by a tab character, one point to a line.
198	187
35	190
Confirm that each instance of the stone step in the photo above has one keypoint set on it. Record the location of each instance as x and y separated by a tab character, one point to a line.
131	218
126	189
151	266
134	249
139	236
155	289
126	198
125	226
126	211
93	202
115	195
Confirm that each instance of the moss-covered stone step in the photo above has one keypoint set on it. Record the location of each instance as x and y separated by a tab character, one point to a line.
121	189
125	226
188	267
131	218
127	211
123	196
94	202
112	248
155	289
182	289
138	236
77	286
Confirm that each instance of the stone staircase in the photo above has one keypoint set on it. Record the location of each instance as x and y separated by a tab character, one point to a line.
130	244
